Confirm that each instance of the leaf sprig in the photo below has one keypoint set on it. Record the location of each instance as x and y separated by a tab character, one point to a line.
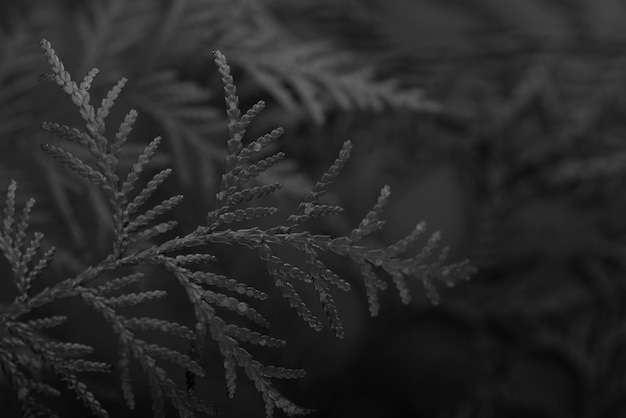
108	290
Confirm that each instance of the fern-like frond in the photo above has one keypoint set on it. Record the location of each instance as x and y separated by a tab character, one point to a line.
206	303
161	384
25	354
312	72
82	169
154	324
283	273
25	258
305	208
146	192
108	288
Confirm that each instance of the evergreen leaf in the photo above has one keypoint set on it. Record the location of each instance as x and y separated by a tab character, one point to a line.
321	186
124	130
311	69
214	279
251	114
252	193
186	259
253	170
131	299
155	324
403	244
258	145
158	210
146	235
235	305
123	365
81	365
283	372
64	131
147	191
138	167
48	322
281	275
246	214
118	283
183	109
74	163
9	212
82	393
107	103
173	356
371	222
253	337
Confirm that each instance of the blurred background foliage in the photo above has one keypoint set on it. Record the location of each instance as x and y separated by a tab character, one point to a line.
499	122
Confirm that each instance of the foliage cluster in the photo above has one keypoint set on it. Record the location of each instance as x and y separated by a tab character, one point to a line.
529	114
140	237
533	103
164	48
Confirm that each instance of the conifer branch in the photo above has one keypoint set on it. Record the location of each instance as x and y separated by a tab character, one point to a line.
107	287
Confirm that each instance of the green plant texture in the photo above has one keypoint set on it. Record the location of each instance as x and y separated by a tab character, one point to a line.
223	310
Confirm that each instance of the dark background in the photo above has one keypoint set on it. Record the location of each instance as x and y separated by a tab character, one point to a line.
517	155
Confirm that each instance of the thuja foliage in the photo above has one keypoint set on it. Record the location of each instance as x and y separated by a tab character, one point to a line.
162	47
35	364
